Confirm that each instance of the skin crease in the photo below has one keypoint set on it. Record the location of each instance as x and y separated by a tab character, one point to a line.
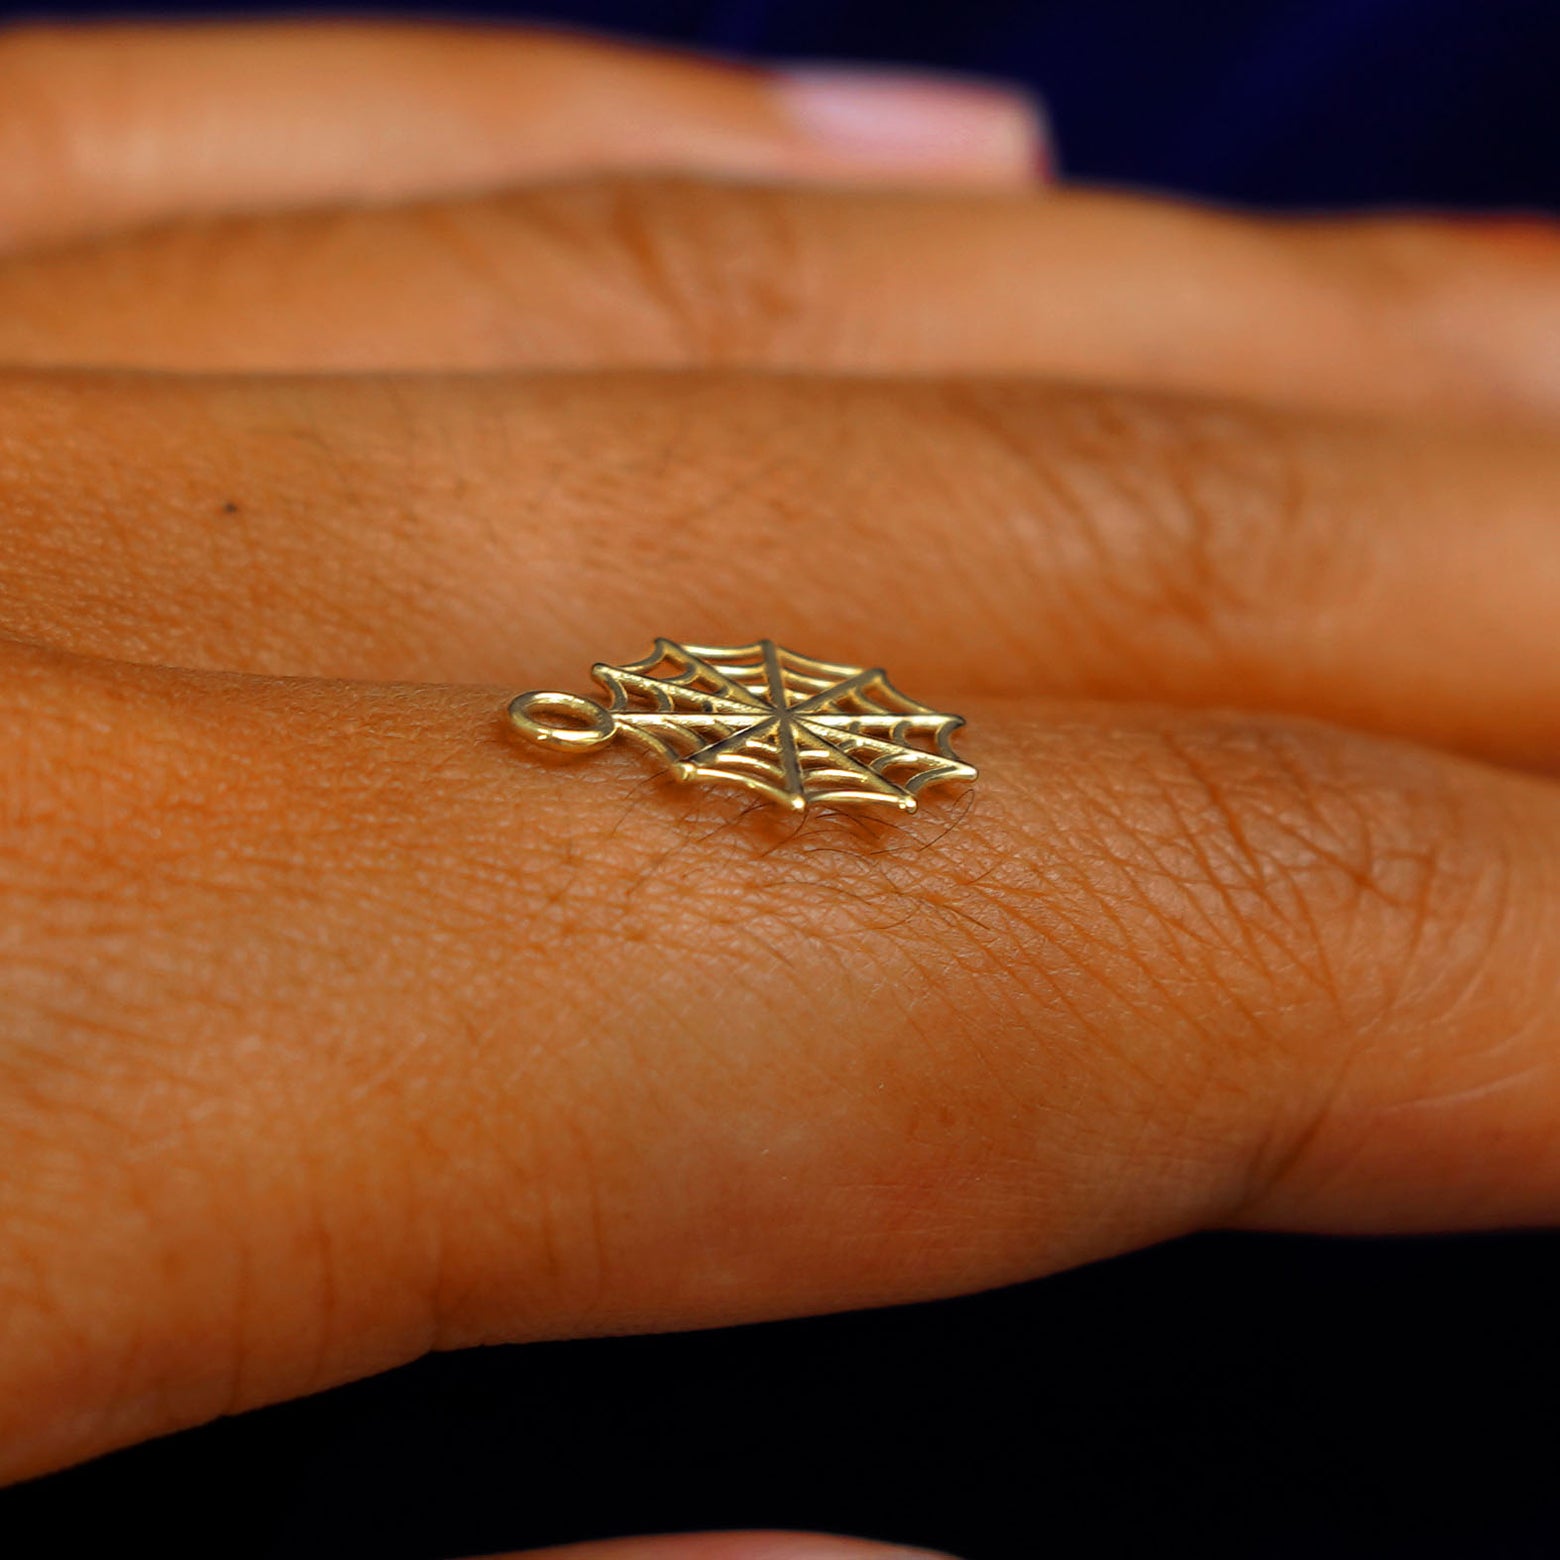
339	1027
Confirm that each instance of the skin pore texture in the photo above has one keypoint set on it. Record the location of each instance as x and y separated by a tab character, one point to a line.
338	1025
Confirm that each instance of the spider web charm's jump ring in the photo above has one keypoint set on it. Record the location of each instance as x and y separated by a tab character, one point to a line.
585	725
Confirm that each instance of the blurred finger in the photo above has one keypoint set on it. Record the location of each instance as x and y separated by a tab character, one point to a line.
1385	315
113	127
975	537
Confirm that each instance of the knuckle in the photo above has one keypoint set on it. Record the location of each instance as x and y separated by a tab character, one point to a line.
723	269
1265	900
1220	521
1340	865
1359	896
1240	877
1169	524
1403	293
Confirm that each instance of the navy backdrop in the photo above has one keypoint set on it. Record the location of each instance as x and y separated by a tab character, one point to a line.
1239	1396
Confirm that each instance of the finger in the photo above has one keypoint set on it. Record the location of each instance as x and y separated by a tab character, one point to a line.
337	1027
116	127
998	538
1394	315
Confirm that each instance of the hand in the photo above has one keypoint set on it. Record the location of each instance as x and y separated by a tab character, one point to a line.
338	1026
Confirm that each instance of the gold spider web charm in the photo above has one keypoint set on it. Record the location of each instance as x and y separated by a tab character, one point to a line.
793	730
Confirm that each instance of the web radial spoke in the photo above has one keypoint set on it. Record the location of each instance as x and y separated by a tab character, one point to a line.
941	764
841	690
785	733
717	750
864	775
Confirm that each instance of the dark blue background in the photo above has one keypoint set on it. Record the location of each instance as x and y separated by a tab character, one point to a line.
1229	1396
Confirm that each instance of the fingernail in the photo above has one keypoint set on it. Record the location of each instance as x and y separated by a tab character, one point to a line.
896	120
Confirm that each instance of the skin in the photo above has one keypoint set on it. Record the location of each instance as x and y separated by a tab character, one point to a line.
338	1026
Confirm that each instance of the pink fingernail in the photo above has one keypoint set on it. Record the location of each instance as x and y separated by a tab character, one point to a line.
894	120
